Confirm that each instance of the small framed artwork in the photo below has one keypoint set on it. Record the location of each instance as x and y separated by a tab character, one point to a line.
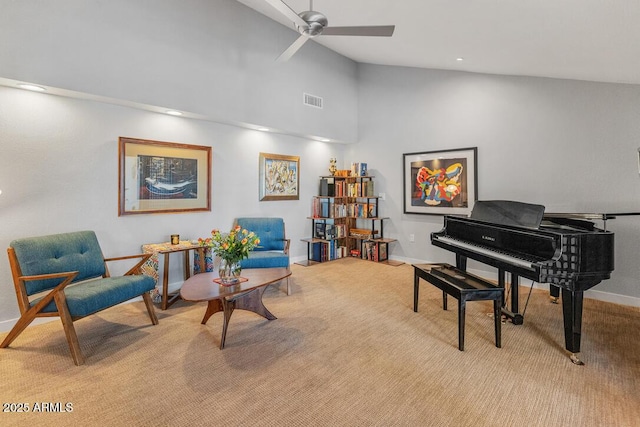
279	177
441	182
162	177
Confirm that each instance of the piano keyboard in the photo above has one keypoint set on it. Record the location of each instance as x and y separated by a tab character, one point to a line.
486	251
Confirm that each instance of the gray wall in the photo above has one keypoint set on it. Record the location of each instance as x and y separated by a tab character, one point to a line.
571	146
210	57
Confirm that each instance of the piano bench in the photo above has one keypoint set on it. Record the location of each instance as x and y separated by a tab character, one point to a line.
464	287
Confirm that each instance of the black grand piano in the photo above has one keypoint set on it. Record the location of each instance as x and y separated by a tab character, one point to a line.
570	254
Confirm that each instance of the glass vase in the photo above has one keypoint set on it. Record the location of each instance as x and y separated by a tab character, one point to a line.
229	272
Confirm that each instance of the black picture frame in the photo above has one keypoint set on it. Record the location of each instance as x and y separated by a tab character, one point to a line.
443	182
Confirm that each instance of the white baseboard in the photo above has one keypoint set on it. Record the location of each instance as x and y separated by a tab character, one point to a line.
6	325
614	298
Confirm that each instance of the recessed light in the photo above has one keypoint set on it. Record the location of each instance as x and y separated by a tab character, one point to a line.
174	113
261	129
459	59
32	87
324	140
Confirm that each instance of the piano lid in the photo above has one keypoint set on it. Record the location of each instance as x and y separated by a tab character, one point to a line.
507	212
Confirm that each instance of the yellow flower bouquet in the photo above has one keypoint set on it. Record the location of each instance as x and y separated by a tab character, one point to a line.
231	247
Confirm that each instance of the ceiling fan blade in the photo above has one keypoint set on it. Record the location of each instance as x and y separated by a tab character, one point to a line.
284	9
291	50
377	31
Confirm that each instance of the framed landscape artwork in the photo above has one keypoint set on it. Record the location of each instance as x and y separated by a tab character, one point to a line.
440	182
162	177
279	177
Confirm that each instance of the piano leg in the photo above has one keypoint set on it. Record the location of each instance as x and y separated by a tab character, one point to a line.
572	314
461	262
416	288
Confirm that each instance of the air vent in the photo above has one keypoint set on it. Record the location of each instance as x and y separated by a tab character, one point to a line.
312	100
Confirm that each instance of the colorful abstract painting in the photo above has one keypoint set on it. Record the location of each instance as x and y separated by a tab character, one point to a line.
440	182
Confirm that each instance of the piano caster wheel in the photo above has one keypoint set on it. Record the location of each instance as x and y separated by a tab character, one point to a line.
575	359
554	300
517	319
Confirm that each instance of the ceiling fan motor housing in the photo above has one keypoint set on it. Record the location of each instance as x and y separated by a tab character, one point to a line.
316	21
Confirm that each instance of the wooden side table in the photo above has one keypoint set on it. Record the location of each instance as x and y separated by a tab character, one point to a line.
151	267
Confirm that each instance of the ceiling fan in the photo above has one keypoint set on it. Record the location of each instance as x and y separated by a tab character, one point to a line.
311	24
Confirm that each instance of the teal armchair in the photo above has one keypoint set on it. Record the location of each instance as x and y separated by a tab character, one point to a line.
273	250
66	275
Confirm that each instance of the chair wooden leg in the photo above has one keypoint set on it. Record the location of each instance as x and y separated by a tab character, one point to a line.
69	329
152	312
22	323
288	287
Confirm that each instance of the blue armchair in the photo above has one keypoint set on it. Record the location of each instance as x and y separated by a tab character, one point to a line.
48	264
273	250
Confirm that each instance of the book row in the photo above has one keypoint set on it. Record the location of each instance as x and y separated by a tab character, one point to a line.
329	231
327	251
374	251
326	208
339	188
358	169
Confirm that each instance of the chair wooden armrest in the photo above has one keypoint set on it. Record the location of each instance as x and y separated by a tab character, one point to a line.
287	243
68	278
136	268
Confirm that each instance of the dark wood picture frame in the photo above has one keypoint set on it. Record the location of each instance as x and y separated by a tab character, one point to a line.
162	177
443	182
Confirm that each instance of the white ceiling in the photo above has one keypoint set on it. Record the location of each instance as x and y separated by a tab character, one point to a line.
597	40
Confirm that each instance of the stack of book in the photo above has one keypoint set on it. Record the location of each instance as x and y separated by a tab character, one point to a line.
361	210
327	251
327	208
329	231
330	187
362	233
374	251
358	169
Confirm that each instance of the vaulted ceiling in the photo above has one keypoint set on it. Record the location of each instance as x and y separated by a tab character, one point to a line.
594	40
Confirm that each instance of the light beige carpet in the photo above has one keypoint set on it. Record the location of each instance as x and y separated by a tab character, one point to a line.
347	349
